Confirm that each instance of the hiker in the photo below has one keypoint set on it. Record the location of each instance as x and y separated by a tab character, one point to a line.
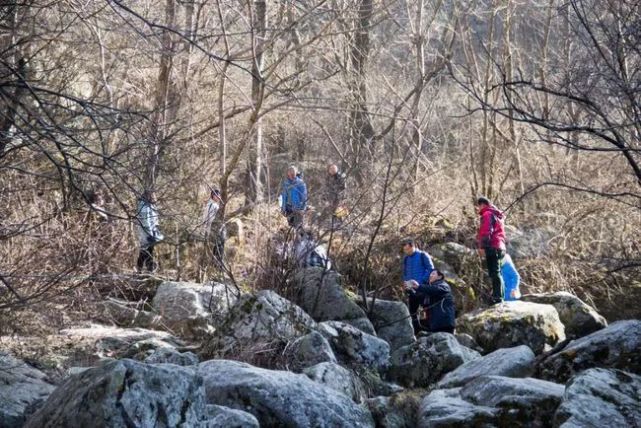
511	279
309	253
491	244
439	302
417	267
148	231
214	228
335	186
293	198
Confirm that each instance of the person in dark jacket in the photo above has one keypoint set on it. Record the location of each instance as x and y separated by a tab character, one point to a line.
417	266
439	301
334	195
293	198
491	244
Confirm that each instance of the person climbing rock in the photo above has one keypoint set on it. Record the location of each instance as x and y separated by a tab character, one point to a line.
293	198
440	303
148	231
417	267
491	244
214	229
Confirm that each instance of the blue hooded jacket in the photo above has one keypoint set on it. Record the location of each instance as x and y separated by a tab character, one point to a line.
294	195
511	278
440	304
418	267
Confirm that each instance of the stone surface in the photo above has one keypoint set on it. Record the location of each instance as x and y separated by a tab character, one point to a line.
468	341
514	323
397	411
452	253
191	309
426	361
125	314
601	398
392	323
308	351
171	356
337	378
578	317
258	319
22	390
617	346
492	401
279	398
355	347
320	294
509	362
125	393
224	417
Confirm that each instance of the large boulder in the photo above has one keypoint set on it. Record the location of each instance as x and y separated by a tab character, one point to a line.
514	323
453	254
578	317
308	351
171	356
492	401
256	321
128	314
22	390
191	309
355	347
125	393
338	378
224	417
320	294
279	398
392	322
509	362
617	346
426	361
601	398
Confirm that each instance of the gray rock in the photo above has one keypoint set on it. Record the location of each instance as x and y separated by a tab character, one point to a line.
520	400
392	323
224	417
397	411
616	346
492	401
125	393
509	362
320	294
171	356
22	390
468	341
579	318
337	378
190	309
529	243
514	323
601	398
257	319
444	408
308	351
123	314
278	398
426	361
353	346
453	254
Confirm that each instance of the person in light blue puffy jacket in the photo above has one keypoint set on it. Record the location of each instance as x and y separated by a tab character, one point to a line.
511	278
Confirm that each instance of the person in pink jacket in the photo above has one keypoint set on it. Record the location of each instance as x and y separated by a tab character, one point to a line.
491	244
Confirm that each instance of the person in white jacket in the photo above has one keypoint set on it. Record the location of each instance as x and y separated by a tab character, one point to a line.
214	228
148	231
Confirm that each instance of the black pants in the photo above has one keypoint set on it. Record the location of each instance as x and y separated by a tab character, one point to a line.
493	259
415	300
146	259
296	219
217	245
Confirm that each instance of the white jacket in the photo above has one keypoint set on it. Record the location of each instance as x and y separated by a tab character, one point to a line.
209	214
146	222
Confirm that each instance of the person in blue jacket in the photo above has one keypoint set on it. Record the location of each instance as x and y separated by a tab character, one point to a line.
511	278
417	266
439	300
293	198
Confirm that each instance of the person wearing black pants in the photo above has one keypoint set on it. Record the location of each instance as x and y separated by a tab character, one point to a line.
491	244
146	259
